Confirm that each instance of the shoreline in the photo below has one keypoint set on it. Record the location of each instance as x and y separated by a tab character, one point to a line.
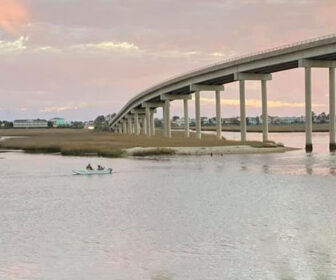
172	151
111	145
202	151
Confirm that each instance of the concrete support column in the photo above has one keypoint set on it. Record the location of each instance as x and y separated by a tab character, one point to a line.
218	115
264	110
144	128
186	118
152	123
242	110
164	125
332	143
130	129
198	114
136	123
148	130
167	119
308	101
124	127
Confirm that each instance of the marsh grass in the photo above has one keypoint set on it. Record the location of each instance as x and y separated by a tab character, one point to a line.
154	152
106	144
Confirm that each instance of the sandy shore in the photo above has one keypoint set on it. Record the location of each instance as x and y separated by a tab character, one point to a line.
216	150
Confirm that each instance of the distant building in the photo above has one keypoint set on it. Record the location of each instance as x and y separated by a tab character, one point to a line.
287	120
59	122
231	121
205	121
30	123
252	120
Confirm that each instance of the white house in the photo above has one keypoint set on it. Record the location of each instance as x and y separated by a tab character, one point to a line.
30	123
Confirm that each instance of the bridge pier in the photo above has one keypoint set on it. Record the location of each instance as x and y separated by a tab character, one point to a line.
124	126
144	126
166	112
136	123
166	118
198	114
332	143
129	123
147	118
308	109
242	77
186	118
197	89
150	110
218	115
152	123
242	110
264	110
308	64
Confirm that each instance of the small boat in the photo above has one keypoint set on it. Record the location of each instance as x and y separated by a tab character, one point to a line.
92	172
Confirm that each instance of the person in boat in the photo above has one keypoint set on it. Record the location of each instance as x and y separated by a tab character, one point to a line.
100	167
89	167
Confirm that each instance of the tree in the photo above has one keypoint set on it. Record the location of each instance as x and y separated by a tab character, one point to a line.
99	119
100	123
8	124
77	124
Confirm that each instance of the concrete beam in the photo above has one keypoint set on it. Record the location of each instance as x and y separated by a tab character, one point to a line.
195	87
175	97
139	111
152	104
317	63
142	111
252	77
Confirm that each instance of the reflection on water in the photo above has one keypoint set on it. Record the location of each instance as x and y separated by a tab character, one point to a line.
267	216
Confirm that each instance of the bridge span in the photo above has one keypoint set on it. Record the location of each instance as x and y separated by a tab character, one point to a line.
320	53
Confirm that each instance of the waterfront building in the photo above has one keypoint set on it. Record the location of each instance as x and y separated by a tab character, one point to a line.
231	121
59	122
37	123
253	120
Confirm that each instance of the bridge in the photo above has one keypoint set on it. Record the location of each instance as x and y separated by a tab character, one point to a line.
319	52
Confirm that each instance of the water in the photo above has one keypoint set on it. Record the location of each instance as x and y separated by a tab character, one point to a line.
268	216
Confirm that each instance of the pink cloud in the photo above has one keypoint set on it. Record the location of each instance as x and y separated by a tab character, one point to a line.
13	14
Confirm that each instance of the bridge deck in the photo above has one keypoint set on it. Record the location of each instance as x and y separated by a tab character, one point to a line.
265	62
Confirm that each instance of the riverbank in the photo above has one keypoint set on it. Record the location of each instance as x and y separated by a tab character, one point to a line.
106	144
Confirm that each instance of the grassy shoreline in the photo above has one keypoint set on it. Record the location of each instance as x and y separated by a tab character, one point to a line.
72	142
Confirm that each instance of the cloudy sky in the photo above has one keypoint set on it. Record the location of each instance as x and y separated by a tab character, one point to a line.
81	58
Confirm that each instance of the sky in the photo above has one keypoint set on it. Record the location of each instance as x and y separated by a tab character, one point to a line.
81	58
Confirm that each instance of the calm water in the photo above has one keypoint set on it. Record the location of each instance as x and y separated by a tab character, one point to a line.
226	217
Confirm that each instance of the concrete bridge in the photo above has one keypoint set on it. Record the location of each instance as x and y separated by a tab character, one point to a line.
319	52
